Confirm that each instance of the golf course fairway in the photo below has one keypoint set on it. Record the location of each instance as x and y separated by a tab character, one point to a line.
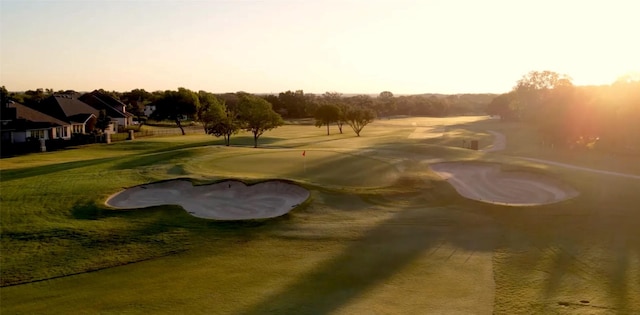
380	231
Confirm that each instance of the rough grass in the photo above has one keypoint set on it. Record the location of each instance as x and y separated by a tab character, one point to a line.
523	140
380	234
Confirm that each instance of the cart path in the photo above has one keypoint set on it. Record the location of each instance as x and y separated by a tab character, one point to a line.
500	143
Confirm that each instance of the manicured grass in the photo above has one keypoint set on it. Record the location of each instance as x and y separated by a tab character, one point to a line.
320	167
523	140
380	234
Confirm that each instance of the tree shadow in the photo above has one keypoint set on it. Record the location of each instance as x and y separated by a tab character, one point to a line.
151	159
20	173
583	260
376	256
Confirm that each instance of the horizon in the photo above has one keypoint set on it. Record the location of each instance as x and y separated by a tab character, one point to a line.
404	47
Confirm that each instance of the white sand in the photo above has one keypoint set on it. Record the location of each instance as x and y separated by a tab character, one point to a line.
227	200
488	183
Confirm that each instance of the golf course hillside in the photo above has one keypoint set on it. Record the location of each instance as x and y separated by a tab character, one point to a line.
407	217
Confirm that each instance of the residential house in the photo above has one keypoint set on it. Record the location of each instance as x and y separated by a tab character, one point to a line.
113	108
69	108
7	116
26	123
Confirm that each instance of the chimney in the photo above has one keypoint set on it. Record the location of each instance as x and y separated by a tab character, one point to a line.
124	108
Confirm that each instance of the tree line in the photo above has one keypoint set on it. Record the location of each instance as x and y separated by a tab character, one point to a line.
298	104
226	114
606	116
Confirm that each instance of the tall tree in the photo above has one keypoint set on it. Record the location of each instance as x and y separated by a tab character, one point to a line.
385	103
503	105
358	118
276	104
176	105
33	97
533	89
103	121
327	114
136	99
220	122
335	98
206	100
293	103
4	97
257	116
113	94
311	103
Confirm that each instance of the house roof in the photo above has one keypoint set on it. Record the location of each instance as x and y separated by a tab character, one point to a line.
100	101
36	118
63	106
80	118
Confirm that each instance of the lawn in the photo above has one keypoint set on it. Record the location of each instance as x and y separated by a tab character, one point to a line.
380	233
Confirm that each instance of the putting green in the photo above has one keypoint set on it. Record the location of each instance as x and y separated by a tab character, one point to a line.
317	166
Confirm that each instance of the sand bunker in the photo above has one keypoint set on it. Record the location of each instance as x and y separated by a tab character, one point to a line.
488	183
227	200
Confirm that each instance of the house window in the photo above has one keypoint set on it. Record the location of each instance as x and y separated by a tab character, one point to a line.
38	134
61	132
77	129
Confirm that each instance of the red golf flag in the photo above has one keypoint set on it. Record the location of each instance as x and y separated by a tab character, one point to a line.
304	153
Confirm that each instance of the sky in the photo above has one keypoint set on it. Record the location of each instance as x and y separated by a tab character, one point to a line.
349	46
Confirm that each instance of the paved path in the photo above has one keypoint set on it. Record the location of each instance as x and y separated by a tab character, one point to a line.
586	169
500	143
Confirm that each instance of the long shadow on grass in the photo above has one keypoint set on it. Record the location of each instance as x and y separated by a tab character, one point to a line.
152	233
131	161
126	163
151	159
27	172
584	252
380	253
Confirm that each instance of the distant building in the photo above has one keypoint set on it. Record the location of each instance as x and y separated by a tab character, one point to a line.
149	109
61	115
115	109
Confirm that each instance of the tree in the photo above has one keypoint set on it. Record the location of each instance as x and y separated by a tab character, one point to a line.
113	94
503	105
34	97
534	88
136	99
206	100
257	116
218	120
361	101
326	114
103	121
176	105
385	103
275	103
293	103
4	97
335	98
310	103
358	117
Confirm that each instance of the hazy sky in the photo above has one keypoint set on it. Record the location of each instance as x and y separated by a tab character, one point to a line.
404	47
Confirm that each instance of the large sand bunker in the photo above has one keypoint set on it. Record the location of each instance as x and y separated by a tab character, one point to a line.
226	200
488	183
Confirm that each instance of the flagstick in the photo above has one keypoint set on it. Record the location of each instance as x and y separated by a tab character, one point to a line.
304	158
